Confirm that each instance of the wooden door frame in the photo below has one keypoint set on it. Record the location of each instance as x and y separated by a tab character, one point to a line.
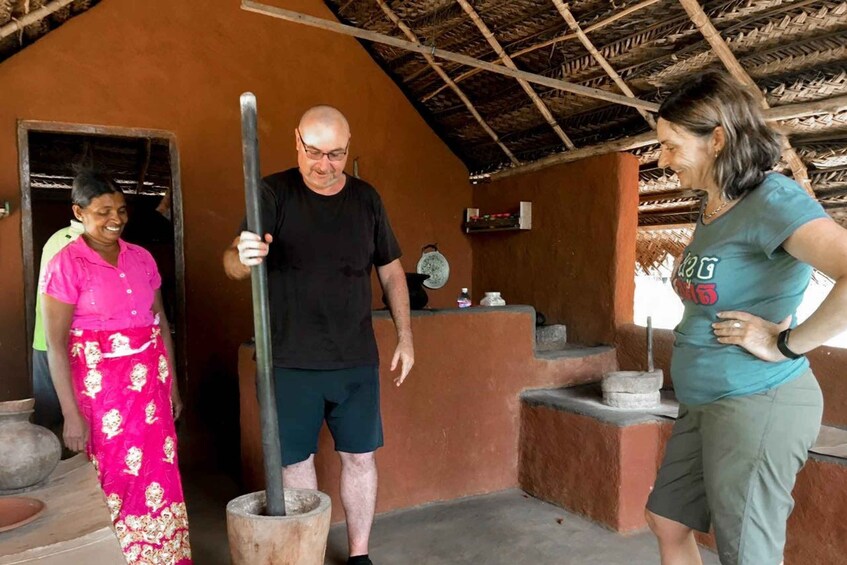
27	126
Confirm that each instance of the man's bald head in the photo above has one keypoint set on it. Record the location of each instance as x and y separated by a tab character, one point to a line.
323	143
324	117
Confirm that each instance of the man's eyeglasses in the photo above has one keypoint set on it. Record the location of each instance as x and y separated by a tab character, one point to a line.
316	154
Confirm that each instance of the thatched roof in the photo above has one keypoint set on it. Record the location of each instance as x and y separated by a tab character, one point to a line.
515	85
794	50
25	21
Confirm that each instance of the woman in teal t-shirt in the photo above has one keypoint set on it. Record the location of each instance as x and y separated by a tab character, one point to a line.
750	408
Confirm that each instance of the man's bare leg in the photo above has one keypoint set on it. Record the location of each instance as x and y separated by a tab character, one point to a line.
301	475
358	496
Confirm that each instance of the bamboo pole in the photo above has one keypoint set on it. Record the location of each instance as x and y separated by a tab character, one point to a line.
507	61
559	39
601	60
772	115
727	57
666	227
449	82
806	109
33	17
311	21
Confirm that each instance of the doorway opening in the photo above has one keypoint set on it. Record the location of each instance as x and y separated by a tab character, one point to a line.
144	163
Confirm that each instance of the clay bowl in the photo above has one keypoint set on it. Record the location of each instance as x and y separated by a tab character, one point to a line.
16	511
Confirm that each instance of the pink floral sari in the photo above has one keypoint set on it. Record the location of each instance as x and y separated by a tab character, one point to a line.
122	384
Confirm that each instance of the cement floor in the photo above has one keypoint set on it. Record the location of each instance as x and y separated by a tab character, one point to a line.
503	528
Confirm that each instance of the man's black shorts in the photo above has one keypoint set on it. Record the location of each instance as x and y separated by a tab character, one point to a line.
348	399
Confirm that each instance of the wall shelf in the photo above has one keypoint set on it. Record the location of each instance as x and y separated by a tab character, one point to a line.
517	220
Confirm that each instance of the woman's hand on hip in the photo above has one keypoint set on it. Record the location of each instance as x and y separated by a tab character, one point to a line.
75	432
756	335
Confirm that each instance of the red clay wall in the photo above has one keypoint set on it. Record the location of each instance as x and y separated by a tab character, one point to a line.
180	66
828	364
605	473
817	531
577	263
597	469
452	429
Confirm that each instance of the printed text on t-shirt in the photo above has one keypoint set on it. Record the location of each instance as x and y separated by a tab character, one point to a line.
690	282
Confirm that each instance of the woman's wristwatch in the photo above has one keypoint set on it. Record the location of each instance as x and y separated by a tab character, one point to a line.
782	345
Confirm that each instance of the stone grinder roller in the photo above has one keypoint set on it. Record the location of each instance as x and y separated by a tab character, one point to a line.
635	390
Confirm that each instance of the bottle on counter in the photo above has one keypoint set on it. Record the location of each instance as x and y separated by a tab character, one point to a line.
464	299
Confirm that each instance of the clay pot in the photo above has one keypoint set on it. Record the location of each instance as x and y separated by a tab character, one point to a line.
299	538
492	299
28	453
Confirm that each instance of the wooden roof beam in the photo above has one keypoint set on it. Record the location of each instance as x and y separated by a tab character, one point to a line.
727	57
449	82
666	227
143	162
601	60
320	23
624	144
507	61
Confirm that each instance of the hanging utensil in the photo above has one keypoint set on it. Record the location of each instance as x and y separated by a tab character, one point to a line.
434	264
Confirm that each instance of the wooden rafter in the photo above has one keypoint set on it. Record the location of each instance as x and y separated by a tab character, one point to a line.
507	61
143	163
550	42
727	57
792	111
666	227
772	115
601	60
565	86
448	81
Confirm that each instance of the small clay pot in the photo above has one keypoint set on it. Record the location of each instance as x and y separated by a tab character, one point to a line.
28	453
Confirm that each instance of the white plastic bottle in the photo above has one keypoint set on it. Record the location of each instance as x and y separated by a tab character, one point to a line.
464	299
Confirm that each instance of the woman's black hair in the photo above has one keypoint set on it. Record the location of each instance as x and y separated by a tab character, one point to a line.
89	184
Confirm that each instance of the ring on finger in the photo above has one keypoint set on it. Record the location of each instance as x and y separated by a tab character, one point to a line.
736	324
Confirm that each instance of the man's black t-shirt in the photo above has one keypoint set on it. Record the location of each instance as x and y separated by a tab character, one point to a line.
319	270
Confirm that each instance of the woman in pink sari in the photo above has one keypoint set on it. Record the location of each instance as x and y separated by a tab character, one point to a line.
110	351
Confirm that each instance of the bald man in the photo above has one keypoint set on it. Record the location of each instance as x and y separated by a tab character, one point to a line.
325	233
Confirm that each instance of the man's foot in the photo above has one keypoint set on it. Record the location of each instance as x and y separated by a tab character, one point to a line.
359	560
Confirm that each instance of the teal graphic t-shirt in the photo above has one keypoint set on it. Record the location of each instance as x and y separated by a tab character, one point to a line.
737	262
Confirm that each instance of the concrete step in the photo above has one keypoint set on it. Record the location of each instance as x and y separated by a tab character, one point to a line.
571	350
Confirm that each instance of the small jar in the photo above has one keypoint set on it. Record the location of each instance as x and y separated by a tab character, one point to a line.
492	299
